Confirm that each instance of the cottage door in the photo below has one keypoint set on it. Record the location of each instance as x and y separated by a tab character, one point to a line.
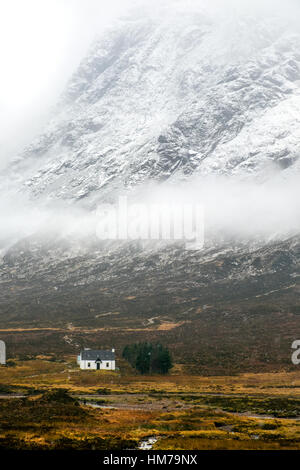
98	362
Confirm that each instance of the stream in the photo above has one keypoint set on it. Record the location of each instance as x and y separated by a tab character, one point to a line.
148	443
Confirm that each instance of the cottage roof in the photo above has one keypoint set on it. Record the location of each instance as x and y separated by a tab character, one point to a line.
93	355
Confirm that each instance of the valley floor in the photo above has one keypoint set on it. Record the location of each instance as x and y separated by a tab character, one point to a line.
51	404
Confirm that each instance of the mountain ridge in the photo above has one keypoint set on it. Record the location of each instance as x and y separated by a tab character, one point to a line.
162	99
169	100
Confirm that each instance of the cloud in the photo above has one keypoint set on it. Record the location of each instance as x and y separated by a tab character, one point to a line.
41	44
235	209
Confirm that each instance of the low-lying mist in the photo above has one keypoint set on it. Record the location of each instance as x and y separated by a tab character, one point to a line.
234	209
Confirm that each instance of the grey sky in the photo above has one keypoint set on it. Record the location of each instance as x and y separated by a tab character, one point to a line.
41	42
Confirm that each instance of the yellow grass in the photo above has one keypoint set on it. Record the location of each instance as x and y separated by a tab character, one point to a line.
153	405
43	373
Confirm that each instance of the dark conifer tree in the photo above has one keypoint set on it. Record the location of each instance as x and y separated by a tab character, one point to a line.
148	358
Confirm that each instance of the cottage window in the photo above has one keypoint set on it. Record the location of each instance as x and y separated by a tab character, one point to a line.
107	364
89	364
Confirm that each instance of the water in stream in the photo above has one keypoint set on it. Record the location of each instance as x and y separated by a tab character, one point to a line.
148	443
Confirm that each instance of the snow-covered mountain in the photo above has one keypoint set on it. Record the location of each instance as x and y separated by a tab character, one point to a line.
168	96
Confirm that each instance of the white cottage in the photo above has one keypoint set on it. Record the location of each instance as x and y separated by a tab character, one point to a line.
90	359
2	353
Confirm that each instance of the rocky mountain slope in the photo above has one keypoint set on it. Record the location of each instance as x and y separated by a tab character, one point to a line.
45	280
166	97
162	98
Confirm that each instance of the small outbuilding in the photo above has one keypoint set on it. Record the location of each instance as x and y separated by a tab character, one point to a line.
91	359
2	353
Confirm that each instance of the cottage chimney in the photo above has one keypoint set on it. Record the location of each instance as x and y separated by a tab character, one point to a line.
113	350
